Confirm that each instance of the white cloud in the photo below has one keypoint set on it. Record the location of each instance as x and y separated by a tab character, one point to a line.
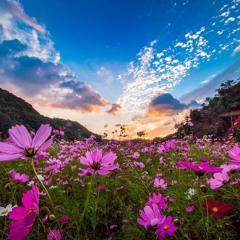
163	70
231	19
33	34
236	50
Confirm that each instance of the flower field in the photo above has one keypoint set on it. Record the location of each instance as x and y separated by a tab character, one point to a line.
133	190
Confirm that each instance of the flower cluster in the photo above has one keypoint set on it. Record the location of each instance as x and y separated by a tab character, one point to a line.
152	216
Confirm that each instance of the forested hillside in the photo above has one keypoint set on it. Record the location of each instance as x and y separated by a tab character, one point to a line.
14	110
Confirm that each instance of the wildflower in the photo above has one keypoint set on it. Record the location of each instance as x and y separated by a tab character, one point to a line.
150	216
160	183
5	210
24	217
190	193
23	145
218	180
138	164
113	226
235	154
217	209
166	228
157	199
189	208
54	235
18	177
199	169
136	155
98	163
100	188
64	219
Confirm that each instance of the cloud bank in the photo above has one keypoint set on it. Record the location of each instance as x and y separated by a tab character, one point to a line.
30	63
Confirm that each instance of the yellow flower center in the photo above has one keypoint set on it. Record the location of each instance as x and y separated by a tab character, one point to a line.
165	227
214	209
30	211
157	201
4	211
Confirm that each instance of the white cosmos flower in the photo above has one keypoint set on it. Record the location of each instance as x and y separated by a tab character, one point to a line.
5	210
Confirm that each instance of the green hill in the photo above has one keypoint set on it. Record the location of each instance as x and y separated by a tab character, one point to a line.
15	110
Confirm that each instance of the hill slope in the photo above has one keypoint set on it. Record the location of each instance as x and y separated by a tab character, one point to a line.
15	110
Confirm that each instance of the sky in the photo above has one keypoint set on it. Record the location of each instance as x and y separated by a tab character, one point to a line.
140	64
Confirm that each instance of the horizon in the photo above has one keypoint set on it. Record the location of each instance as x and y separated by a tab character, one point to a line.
138	64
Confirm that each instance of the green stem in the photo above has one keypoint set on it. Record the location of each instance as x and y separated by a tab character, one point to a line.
87	201
201	207
40	181
45	189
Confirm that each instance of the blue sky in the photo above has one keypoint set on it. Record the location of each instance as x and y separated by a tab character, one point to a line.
112	59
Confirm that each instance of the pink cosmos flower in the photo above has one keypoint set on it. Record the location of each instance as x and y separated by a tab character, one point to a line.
166	228
136	155
234	153
138	164
18	177
218	180
23	145
160	183
24	217
150	216
157	199
54	235
98	163
199	169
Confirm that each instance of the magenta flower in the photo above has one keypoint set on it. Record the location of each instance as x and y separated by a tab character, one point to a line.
97	163
218	180
23	145
54	235
18	177
64	219
24	217
190	208
157	199
150	216
199	169
100	188
166	228
234	153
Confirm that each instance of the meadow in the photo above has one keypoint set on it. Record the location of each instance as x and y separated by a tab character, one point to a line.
135	190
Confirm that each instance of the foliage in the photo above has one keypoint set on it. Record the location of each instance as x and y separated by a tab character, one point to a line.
207	120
